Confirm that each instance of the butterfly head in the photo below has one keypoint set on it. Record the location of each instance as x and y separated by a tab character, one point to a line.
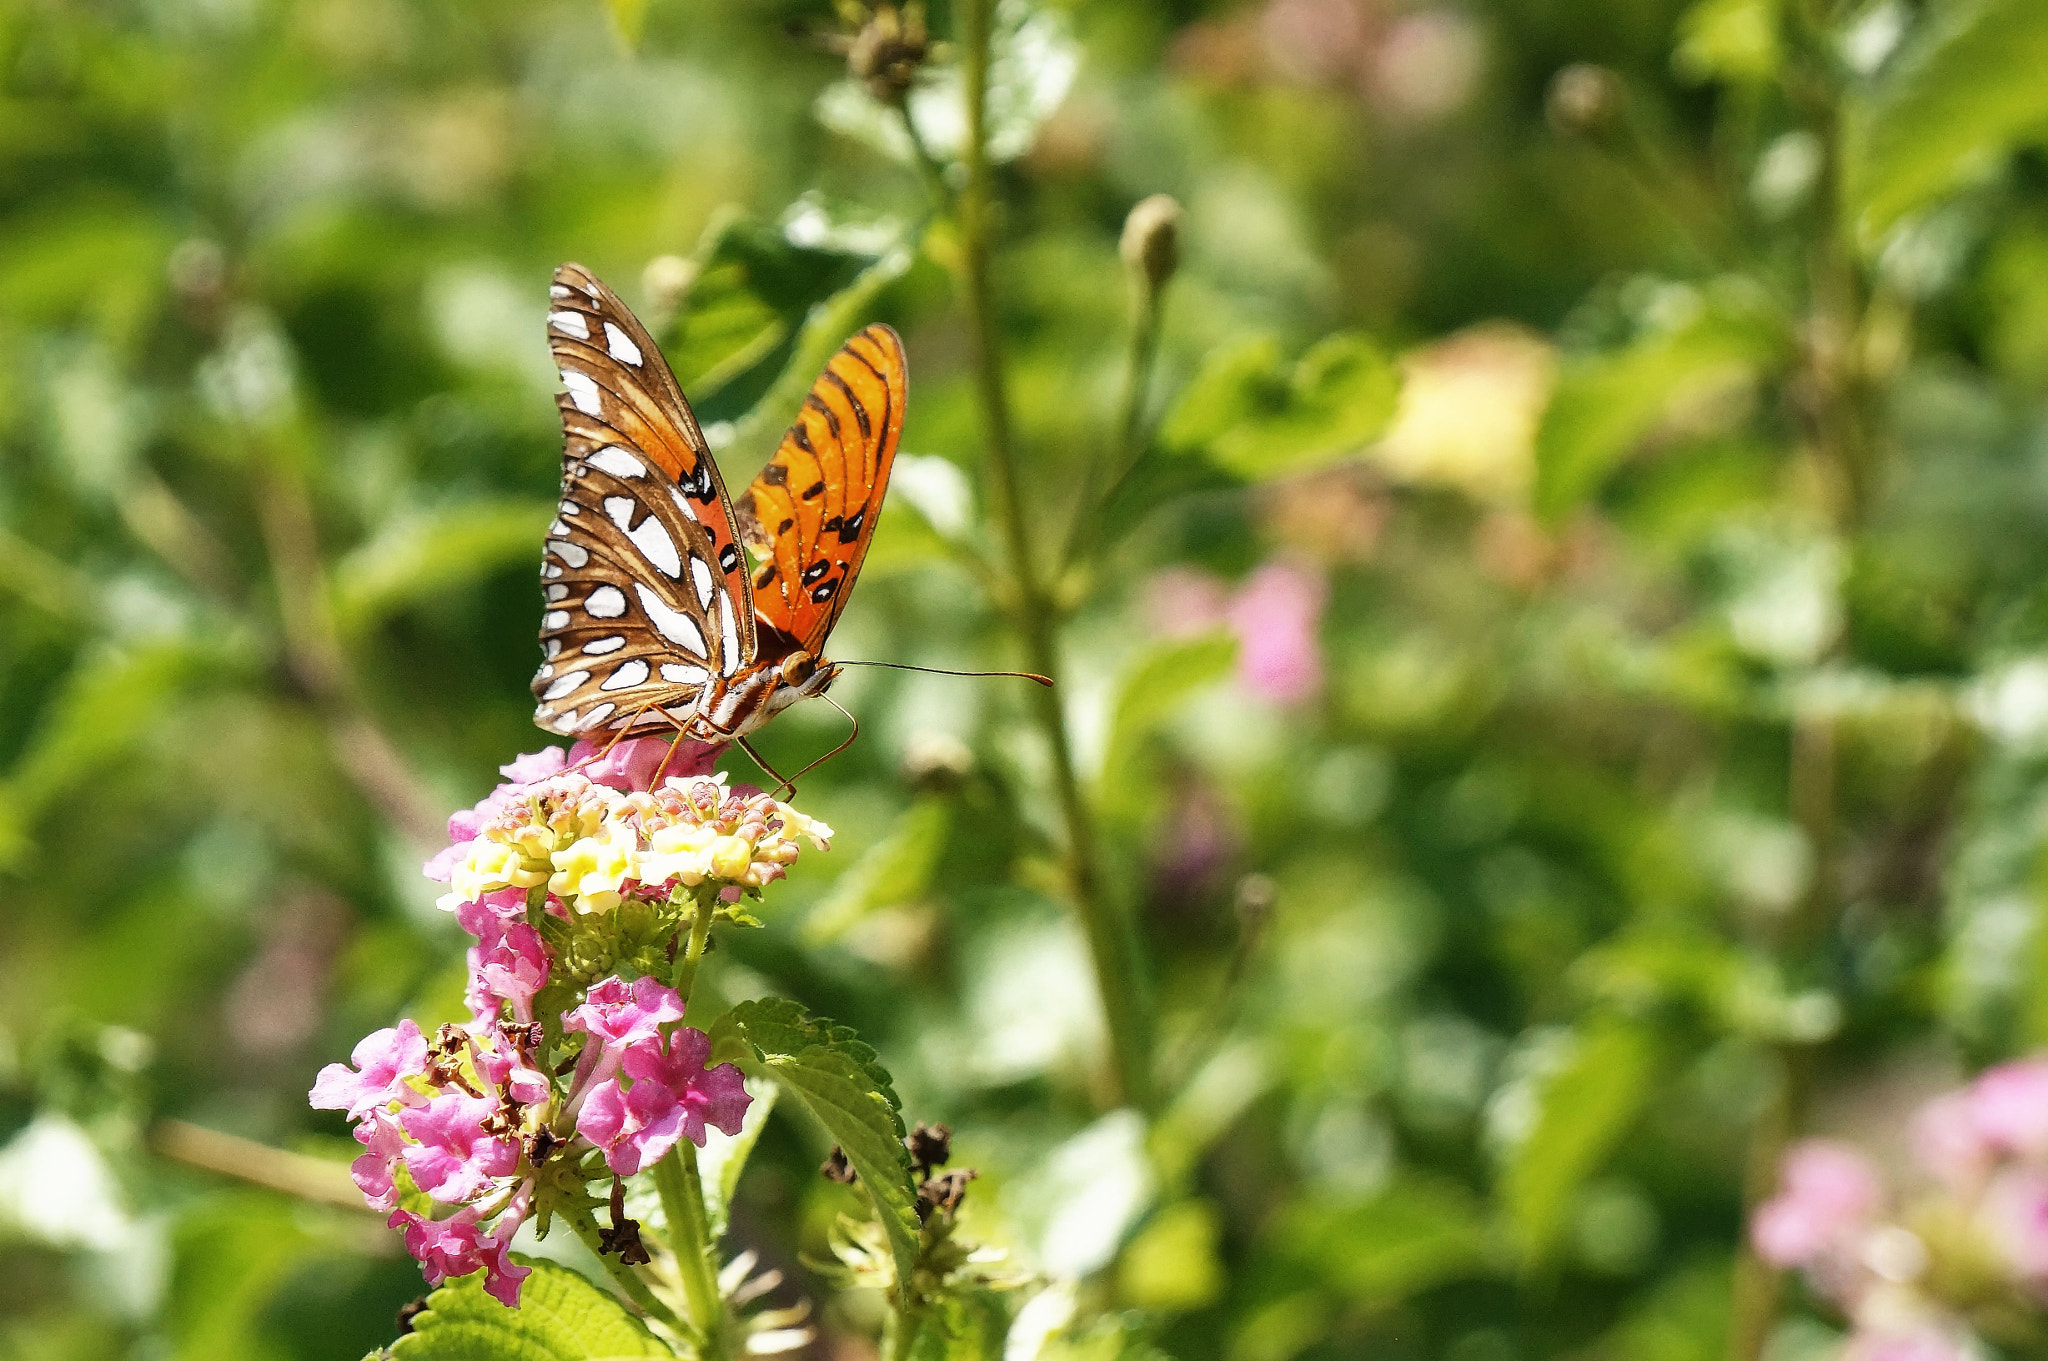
803	676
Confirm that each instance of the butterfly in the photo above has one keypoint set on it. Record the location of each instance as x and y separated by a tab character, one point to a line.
656	621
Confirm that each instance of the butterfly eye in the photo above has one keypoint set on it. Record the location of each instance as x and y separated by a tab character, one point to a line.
798	667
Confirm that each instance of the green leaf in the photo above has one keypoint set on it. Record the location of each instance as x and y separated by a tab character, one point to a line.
1738	41
896	869
764	312
561	1317
1254	416
840	1081
1963	95
423	557
629	17
961	1327
1586	1107
1419	1232
725	1156
1161	679
1606	405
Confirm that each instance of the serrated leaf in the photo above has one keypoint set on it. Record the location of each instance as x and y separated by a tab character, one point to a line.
895	869
425	556
1254	416
561	1317
964	1327
1966	91
1587	1106
840	1081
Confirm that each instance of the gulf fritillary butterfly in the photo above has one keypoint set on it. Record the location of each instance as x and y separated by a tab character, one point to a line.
653	623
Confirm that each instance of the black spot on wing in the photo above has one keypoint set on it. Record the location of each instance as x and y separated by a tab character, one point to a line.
814	491
860	413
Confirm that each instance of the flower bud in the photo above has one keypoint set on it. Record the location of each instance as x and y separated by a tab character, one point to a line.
1584	99
730	857
1151	241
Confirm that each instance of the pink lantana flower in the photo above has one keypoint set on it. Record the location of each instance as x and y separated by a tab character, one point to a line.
468	824
618	1014
510	969
457	1246
672	1096
1827	1194
375	1173
457	1156
383	1062
1924	1343
630	765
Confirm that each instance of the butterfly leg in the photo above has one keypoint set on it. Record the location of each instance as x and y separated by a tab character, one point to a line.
616	738
655	783
783	787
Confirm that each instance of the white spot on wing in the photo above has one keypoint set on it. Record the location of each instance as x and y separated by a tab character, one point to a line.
604	645
555	619
674	625
549	571
684	675
657	547
630	673
557	591
617	461
570	323
564	684
557	291
597	715
558	527
583	391
620	508
566	721
606	602
575	554
701	570
551	648
621	345
729	631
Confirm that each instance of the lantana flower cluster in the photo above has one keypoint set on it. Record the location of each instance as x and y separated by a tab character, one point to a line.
1923	1276
574	1065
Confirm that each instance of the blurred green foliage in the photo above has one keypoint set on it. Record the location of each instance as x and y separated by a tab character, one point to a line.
1656	385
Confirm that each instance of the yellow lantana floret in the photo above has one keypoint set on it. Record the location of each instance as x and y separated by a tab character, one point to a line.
590	870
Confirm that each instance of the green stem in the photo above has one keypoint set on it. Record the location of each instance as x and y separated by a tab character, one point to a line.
928	167
706	900
1112	945
1147	303
903	1337
675	1176
682	1203
624	1276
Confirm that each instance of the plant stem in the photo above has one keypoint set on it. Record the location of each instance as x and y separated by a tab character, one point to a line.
928	167
1147	303
676	1178
903	1337
682	1203
700	935
1111	944
627	1279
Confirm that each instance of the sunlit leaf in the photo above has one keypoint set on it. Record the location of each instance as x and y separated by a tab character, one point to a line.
1419	1232
1963	94
840	1081
421	558
561	1317
1255	416
725	1155
1585	1108
896	869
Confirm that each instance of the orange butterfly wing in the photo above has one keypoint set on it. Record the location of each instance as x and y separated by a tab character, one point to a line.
812	511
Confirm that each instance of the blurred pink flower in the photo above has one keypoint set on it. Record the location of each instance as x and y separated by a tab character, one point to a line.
1276	615
2011	1103
1827	1194
1948	1141
1924	1343
1314	40
2014	1211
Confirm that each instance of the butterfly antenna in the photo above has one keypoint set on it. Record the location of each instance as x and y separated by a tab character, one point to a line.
1046	681
790	784
781	781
